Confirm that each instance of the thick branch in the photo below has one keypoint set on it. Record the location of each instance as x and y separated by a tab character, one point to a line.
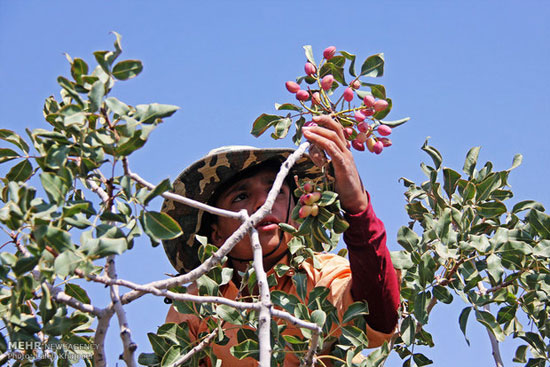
59	296
264	317
125	332
100	359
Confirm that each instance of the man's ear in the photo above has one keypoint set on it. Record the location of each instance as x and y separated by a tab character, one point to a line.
215	236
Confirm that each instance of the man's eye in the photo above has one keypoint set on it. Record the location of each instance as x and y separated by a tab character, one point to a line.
240	197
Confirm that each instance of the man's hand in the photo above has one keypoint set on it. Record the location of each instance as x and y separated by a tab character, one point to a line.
329	136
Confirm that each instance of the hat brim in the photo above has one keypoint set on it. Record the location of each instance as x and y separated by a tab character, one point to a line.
202	179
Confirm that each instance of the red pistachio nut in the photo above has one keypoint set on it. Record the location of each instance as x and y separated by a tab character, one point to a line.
310	69
370	144
312	197
310	123
380	105
362	137
348	132
384	130
363	127
308	187
304	211
368	100
292	87
302	95
385	142
348	94
378	147
368	112
316	98
314	210
326	82
356	84
329	52
358	145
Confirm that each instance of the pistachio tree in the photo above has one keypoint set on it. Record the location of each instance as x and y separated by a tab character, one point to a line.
72	206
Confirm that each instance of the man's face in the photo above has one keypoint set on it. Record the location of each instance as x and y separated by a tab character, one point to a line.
249	194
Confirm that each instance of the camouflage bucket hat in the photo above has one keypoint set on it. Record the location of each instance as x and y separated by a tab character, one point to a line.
201	180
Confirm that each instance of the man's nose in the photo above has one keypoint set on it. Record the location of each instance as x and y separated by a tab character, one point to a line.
260	198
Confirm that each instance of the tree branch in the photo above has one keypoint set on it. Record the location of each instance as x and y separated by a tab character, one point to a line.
125	332
264	317
196	349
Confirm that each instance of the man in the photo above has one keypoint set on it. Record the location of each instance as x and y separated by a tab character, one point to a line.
239	178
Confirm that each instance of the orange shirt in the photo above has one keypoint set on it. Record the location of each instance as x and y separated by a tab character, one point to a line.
334	273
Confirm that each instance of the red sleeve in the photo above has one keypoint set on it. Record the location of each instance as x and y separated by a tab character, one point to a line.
373	277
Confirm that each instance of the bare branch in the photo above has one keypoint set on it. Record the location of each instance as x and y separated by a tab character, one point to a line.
179	198
59	296
264	317
125	332
99	337
98	190
196	349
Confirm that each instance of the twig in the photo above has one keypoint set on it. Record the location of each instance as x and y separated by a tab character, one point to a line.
59	296
494	342
196	348
98	190
125	332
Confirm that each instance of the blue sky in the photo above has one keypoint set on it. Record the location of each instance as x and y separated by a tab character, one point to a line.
468	73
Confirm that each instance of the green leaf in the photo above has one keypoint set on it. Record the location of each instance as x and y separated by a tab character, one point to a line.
58	239
24	264
489	321
350	57
78	69
300	281
97	92
327	198
162	187
159	344
77	292
69	88
171	356
526	205
127	69
487	186
229	314
395	123
356	309
471	161
148	114
463	321
433	153
287	107
319	317
442	294
521	353
287	228
408	330
518	158
420	304
450	181
161	225
110	246
309	54
407	238
148	359
540	222
7	155
491	209
116	106
55	188
401	259
248	348
66	262
421	360
14	138
373	66
281	128
21	172
494	267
